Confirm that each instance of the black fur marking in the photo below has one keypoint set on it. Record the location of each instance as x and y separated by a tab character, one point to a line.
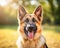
46	45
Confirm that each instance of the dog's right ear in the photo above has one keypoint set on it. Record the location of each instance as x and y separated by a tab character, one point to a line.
22	12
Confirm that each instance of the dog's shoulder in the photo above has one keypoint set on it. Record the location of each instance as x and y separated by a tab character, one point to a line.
19	42
42	41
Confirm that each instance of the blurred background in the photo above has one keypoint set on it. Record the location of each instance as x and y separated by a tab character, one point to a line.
9	24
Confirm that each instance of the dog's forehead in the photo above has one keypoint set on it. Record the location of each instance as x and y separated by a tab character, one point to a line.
30	15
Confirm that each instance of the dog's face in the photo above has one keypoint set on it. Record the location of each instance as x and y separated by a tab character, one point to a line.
30	24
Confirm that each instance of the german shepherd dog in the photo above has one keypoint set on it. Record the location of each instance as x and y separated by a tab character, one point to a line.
30	29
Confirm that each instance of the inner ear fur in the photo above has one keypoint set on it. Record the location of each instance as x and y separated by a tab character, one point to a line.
22	12
38	11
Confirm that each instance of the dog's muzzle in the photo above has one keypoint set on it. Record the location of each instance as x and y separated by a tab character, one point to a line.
30	30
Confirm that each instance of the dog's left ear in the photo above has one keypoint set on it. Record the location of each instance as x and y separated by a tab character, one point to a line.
38	11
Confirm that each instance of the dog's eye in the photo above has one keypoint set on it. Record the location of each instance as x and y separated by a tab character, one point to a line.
34	20
27	20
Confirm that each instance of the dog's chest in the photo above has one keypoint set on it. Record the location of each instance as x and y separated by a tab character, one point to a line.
30	44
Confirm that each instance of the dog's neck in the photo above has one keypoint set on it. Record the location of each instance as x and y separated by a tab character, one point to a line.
30	43
34	43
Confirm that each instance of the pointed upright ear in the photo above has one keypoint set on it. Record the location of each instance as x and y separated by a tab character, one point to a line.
38	11
22	12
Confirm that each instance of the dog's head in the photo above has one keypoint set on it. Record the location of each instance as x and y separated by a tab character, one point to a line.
30	24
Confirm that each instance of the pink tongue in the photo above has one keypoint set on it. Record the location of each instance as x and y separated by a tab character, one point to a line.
30	35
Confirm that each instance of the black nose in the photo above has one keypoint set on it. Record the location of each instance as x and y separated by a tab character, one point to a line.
32	28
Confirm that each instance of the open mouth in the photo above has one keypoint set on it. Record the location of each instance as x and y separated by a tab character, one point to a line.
30	32
31	35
